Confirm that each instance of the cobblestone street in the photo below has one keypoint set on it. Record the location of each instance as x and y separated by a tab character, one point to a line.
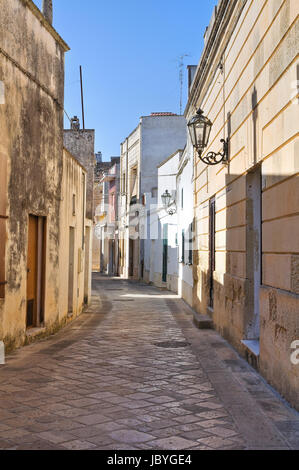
107	381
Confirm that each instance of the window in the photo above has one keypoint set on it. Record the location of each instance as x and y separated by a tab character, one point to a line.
124	183
134	182
154	192
74	204
183	246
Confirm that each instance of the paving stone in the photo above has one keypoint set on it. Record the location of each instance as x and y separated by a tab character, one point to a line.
211	414
222	432
130	436
186	419
14	433
172	443
210	423
129	422
4	444
86	432
91	419
216	442
56	437
78	445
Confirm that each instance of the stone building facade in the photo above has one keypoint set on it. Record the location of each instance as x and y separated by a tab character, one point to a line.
80	143
246	274
36	175
31	162
75	248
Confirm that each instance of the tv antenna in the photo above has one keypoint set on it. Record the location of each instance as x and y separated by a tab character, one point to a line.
181	68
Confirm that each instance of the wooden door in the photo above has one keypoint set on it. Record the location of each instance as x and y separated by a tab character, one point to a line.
131	257
71	269
3	217
87	264
32	271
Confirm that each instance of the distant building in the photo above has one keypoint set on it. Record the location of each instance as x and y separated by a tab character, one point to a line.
163	258
80	143
99	157
154	139
171	240
186	227
106	192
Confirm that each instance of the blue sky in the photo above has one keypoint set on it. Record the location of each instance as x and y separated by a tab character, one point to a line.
129	52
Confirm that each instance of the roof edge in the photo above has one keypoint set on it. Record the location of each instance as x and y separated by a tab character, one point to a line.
36	11
170	157
74	158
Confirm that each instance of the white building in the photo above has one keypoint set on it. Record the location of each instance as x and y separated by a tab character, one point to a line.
155	138
185	214
164	228
171	253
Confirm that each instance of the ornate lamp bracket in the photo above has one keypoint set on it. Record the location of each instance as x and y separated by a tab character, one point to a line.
212	158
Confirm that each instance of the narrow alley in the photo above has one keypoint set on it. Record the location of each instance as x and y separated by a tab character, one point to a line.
133	372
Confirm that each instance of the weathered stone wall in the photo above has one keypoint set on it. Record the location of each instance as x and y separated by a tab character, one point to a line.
32	70
72	216
81	144
251	100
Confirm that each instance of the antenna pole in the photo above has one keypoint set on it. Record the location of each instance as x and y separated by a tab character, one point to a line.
181	66
82	98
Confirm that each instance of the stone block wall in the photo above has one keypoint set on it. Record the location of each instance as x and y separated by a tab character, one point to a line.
252	100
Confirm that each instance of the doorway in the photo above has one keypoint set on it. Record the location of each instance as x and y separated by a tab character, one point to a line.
165	253
253	251
36	271
212	250
131	257
71	269
87	265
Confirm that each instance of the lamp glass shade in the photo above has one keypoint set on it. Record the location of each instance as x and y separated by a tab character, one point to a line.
199	129
166	198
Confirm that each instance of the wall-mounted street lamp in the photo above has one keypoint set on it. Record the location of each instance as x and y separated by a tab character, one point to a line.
199	129
168	203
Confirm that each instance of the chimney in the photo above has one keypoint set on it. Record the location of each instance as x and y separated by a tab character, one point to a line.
47	10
